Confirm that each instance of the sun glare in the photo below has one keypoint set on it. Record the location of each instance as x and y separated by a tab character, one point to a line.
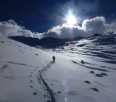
71	19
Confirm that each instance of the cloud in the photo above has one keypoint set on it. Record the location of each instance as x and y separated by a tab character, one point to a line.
95	25
10	28
98	25
87	28
64	31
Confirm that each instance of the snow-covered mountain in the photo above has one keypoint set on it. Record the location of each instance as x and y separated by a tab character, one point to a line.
84	71
50	42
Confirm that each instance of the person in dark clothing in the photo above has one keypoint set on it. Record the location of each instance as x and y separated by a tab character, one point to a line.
53	59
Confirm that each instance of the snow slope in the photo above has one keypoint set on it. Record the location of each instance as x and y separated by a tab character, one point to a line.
19	67
84	74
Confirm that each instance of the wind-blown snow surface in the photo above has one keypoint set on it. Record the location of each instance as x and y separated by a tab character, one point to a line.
28	75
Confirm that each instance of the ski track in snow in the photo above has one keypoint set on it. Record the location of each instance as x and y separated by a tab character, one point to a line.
42	79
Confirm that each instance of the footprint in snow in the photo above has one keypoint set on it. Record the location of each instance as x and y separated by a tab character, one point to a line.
31	86
92	72
4	67
30	80
59	92
44	95
104	74
98	75
101	75
88	82
95	89
2	41
34	93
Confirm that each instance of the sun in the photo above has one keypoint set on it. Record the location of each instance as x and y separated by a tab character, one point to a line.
71	19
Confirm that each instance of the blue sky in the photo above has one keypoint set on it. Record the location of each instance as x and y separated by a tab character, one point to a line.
41	15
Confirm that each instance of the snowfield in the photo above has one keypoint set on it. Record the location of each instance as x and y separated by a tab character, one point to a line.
82	72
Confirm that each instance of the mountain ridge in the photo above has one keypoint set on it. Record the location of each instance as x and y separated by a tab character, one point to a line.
50	42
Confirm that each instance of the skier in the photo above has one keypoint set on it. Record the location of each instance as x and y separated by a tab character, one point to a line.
53	59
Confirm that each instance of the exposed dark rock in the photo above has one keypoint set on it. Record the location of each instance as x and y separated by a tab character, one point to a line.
82	62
